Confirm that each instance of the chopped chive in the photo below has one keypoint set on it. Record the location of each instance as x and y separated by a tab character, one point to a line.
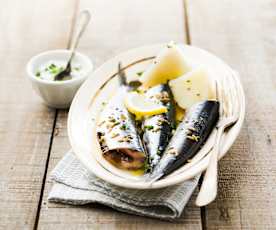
123	127
37	74
149	127
54	71
140	73
52	66
146	166
173	125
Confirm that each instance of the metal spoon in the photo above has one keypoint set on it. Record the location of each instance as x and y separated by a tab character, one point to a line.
83	20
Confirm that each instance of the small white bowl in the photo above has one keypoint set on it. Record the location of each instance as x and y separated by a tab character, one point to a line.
57	94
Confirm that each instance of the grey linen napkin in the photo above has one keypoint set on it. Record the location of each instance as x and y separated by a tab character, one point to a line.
73	184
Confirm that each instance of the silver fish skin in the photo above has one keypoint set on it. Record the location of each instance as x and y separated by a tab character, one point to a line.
189	136
157	129
117	134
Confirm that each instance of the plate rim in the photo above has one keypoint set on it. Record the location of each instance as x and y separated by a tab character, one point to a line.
193	171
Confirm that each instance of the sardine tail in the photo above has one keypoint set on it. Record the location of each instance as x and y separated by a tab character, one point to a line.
122	75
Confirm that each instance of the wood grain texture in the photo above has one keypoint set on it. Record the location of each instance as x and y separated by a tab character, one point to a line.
243	34
116	26
25	123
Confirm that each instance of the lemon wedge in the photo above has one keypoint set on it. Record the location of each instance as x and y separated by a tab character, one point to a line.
140	105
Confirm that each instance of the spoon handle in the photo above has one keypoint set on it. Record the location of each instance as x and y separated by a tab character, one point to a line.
83	21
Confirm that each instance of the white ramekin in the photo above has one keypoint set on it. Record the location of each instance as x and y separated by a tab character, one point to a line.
57	94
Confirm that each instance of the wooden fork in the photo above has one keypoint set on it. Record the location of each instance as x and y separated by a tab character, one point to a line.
228	96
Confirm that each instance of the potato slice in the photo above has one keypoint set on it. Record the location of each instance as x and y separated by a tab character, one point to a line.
192	87
169	64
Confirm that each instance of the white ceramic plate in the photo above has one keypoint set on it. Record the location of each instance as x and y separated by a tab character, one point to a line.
99	87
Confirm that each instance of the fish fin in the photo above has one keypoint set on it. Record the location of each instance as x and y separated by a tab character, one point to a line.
122	74
153	178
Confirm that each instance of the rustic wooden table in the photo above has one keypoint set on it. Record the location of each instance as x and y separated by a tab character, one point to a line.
33	137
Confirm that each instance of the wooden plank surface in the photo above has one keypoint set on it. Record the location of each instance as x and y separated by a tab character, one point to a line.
243	34
25	124
116	27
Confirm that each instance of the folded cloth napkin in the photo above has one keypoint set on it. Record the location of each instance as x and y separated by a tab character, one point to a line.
73	184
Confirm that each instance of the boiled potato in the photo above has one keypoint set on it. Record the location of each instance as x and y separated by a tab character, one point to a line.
192	87
169	64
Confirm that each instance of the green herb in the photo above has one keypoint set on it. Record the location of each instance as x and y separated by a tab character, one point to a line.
77	68
173	125
140	73
134	84
112	119
52	66
37	74
146	166
149	127
123	127
103	103
55	70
